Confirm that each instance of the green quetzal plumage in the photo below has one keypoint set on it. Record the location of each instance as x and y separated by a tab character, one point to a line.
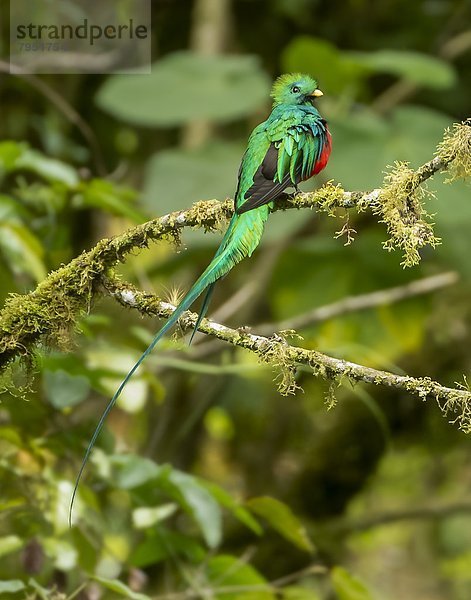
292	145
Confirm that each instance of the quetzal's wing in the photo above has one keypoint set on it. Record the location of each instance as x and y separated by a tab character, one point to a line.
289	159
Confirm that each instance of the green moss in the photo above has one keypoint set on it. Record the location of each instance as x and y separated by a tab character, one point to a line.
52	309
401	208
209	214
459	406
278	353
46	311
455	151
461	412
347	232
328	196
331	394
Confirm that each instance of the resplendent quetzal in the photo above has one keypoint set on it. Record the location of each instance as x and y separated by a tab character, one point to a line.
292	145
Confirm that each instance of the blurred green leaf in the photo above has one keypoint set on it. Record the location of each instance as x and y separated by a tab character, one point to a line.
146	516
175	178
130	471
11	435
9	544
366	144
12	586
48	168
334	70
284	224
348	587
185	86
281	519
238	511
9	153
108	197
64	390
452	217
22	250
199	503
15	156
376	410
415	133
357	159
231	572
11	209
109	365
63	553
55	361
162	543
73	365
153	550
422	69
118	586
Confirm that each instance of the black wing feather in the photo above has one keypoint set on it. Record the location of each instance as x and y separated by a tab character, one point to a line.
264	188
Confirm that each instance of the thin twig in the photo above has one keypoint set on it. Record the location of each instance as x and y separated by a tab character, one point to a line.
350	304
418	513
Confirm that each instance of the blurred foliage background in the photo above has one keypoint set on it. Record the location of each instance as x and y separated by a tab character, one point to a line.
207	483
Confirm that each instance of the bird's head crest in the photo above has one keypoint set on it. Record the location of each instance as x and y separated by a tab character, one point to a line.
294	88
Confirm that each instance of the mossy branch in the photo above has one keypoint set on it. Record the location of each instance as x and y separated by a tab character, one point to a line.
286	358
52	309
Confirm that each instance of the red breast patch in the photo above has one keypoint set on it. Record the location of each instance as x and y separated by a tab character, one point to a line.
324	157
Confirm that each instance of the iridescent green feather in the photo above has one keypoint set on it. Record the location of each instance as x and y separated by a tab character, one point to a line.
278	91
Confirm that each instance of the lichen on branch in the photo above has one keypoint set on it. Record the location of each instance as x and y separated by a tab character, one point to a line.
401	208
455	151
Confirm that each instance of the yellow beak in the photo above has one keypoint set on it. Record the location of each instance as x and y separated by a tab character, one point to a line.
317	93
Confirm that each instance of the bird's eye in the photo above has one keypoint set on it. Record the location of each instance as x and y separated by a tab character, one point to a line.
295	90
